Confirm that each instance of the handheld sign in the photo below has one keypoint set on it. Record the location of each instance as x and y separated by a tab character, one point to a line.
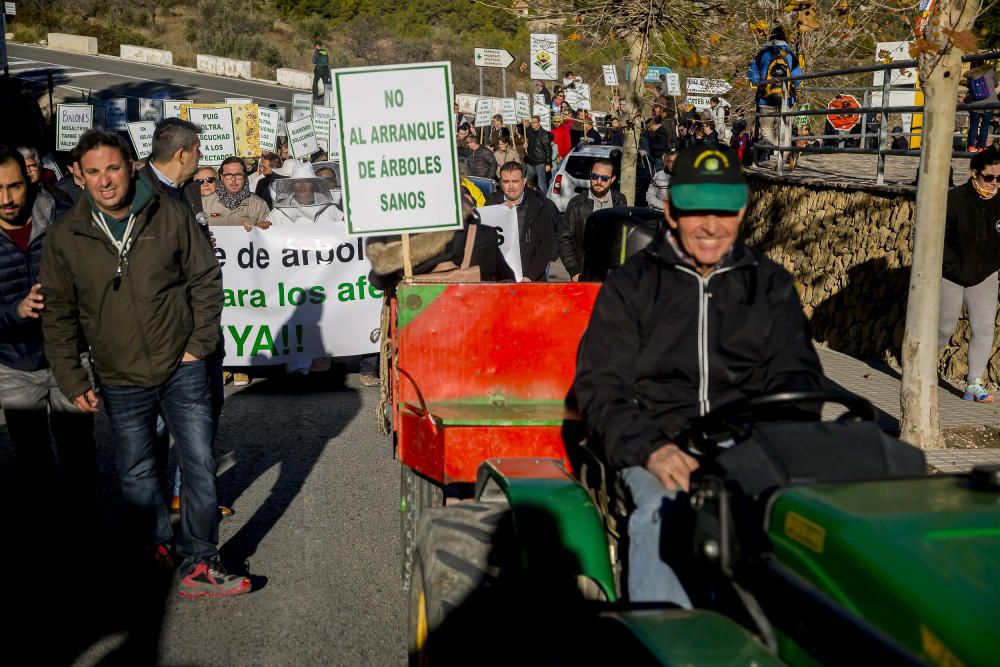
301	106
218	136
504	220
610	75
239	100
544	115
484	110
269	121
172	108
522	106
116	113
246	125
582	96
150	109
301	138
72	121
141	134
673	84
397	144
322	117
544	50
508	110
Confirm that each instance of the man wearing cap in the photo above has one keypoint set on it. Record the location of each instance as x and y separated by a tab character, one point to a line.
694	321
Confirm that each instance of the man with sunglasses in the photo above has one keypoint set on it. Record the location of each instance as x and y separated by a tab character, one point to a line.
694	321
971	261
599	196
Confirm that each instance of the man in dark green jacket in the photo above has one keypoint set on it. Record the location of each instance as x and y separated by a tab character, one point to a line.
321	68
130	271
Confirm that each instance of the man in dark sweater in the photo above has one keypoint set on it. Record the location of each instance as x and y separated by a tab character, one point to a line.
174	161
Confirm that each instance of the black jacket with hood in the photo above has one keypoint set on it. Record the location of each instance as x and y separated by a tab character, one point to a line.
665	345
971	236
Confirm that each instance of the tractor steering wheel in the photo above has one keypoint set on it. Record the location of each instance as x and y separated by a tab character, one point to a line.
737	420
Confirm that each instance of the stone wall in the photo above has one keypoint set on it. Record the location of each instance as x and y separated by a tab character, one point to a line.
849	248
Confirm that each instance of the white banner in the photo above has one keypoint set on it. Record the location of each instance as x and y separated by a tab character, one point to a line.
301	105
610	75
116	111
270	119
707	86
150	109
504	220
301	138
322	117
218	138
294	293
172	108
141	134
544	54
72	121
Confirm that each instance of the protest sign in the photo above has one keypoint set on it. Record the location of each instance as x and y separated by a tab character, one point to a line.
218	138
544	115
397	143
294	293
702	86
269	121
301	138
522	106
283	112
116	113
141	134
150	109
301	106
72	120
484	110
610	75
572	97
239	100
544	55
582	96
246	125
172	108
322	117
333	148
505	221
539	98
508	110
673	84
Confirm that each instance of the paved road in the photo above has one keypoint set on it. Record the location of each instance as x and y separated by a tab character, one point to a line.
315	490
107	77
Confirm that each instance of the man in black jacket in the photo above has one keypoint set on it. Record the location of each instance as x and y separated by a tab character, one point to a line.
694	321
482	163
174	161
600	196
538	155
536	220
971	261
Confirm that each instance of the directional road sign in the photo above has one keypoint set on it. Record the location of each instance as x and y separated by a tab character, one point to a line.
493	58
707	86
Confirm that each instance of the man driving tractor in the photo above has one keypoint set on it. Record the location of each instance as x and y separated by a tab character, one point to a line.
694	321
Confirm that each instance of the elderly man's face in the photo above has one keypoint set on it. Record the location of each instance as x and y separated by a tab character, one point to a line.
706	236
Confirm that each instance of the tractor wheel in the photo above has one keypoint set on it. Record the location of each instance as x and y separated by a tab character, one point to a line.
417	493
456	568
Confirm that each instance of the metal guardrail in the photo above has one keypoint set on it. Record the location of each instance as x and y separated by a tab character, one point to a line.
884	109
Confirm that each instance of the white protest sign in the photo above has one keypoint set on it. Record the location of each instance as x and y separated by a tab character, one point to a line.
522	106
283	112
484	110
218	138
709	87
544	115
333	147
301	138
116	113
269	121
141	134
397	144
572	97
172	108
322	117
505	221
673	84
301	105
150	109
508	109
239	100
72	120
610	75
539	98
544	54
582	96
294	293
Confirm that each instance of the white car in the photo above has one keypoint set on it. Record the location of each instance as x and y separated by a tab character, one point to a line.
573	175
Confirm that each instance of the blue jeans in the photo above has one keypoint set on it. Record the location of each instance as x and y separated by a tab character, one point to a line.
537	174
186	404
979	128
649	578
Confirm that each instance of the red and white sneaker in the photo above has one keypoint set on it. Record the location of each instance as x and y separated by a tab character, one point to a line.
209	579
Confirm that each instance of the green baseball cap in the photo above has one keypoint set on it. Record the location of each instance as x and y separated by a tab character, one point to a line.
708	178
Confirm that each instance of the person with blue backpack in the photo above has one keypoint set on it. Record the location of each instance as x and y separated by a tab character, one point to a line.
775	59
982	86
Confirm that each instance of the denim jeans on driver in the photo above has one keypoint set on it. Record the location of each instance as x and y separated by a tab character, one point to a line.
185	401
650	579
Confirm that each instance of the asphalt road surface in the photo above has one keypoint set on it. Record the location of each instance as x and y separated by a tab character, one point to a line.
315	489
106	77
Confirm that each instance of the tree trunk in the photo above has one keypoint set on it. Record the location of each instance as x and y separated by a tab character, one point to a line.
638	45
939	80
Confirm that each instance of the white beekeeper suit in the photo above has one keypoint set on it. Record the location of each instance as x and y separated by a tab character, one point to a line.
303	197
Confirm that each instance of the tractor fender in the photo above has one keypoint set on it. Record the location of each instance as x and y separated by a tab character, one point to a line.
554	518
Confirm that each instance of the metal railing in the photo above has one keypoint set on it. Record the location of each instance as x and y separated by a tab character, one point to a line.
884	109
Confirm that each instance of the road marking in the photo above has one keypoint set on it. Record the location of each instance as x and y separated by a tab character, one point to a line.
42	75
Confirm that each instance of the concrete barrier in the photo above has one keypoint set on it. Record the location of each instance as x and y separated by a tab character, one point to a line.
294	78
238	69
141	54
74	43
